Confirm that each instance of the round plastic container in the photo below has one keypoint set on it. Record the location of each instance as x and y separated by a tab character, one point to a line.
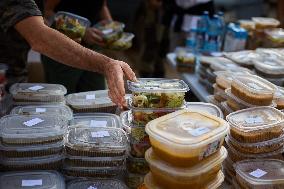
263	22
55	110
279	98
123	43
137	165
32	179
112	30
256	124
96	183
91	101
260	174
184	138
204	107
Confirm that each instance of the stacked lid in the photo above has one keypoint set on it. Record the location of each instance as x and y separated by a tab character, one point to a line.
91	101
32	141
186	149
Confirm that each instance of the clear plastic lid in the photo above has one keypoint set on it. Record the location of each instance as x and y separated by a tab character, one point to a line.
221	64
153	85
276	34
261	172
270	67
212	100
110	28
268	22
226	109
96	120
33	128
72	18
243	57
213	59
55	110
204	107
124	42
90	99
257	118
279	93
96	184
186	129
32	179
103	139
254	84
225	78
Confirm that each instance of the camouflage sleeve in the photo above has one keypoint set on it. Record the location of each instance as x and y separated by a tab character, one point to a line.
13	11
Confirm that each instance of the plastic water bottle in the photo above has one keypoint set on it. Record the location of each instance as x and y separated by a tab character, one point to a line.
223	28
213	35
190	42
201	31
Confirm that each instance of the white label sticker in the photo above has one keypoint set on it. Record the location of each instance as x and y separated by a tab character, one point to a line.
255	86
40	110
36	88
258	173
199	131
90	97
33	122
100	134
107	31
30	183
254	120
92	187
95	123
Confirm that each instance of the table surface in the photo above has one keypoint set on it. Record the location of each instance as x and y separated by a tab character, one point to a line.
191	79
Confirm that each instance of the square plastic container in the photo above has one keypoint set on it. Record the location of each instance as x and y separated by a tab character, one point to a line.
260	174
55	110
96	183
80	161
96	142
253	89
91	101
112	30
137	165
94	120
72	25
32	179
139	142
199	176
38	92
256	124
264	23
184	138
158	93
123	43
33	129
205	107
243	58
279	98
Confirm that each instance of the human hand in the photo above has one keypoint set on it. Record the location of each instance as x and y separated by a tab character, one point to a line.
115	72
94	36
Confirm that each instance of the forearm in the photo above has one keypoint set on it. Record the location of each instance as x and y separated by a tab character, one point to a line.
105	13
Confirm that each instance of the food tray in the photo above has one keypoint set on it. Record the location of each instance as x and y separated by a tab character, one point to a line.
112	30
81	161
96	142
204	107
91	101
33	129
15	151
256	124
96	183
137	165
55	110
263	22
279	98
123	43
253	89
38	92
134	181
184	138
139	143
32	179
260	174
158	93
95	120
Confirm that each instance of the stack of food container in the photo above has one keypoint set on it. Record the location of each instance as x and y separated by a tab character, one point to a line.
186	61
151	98
32	141
279	98
186	151
243	58
37	93
96	183
274	38
91	101
256	133
5	99
259	173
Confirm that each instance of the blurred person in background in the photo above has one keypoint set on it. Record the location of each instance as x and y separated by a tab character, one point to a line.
77	80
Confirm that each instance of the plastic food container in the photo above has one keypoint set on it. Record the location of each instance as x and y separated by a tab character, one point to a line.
253	89
72	25
125	42
158	93
270	69
55	110
14	151
259	147
96	183
184	138
96	120
226	108
80	161
219	93
134	181
32	179
53	162
139	142
184	57
279	98
212	100
38	92
96	142
112	30
244	58
137	165
225	78
260	174
256	124
204	107
223	64
91	101
247	24
263	22
33	129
